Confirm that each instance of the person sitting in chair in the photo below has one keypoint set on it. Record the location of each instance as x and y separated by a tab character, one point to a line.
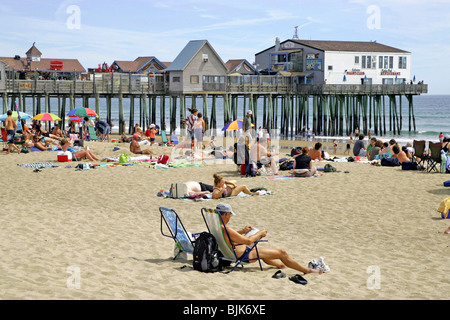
275	257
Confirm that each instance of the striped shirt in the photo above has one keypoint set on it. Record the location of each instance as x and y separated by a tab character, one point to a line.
190	121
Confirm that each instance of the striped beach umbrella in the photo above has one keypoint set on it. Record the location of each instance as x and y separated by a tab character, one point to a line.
82	112
234	125
46	117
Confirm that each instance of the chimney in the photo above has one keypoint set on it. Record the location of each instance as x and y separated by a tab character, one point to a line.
277	44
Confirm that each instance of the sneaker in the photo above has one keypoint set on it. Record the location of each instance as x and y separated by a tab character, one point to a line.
313	264
322	265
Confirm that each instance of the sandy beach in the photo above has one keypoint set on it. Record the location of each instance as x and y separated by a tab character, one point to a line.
377	228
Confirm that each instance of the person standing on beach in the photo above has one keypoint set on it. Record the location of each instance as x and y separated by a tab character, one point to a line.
247	124
189	121
199	129
11	127
335	145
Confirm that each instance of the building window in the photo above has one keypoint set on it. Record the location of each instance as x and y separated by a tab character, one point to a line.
369	62
402	62
391	62
176	79
330	68
380	62
356	59
194	79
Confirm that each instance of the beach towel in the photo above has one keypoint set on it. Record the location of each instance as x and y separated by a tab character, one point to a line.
39	165
276	178
208	197
36	149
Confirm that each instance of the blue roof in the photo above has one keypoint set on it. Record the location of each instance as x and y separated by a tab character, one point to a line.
186	55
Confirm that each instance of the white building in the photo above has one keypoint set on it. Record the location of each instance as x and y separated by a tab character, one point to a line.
338	62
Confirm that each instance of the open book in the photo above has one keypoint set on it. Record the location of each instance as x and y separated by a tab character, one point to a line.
251	232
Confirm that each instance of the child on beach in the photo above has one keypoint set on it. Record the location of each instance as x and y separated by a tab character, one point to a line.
335	145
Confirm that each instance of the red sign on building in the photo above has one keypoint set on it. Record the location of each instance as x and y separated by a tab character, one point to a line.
56	65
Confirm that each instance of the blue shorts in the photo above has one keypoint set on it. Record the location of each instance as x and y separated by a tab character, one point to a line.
10	134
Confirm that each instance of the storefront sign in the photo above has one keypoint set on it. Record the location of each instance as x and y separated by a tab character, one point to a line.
355	73
389	73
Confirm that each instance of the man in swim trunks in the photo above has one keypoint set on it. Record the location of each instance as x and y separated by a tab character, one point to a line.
136	148
274	257
11	127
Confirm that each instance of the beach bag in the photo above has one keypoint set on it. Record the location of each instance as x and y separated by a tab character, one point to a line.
124	158
206	254
251	170
287	165
24	150
329	168
178	190
163	159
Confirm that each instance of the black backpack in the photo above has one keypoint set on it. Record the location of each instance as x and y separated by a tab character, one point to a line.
206	254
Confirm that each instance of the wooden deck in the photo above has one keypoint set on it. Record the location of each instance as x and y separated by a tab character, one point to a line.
114	84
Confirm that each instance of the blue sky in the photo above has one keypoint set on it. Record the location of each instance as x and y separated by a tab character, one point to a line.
98	31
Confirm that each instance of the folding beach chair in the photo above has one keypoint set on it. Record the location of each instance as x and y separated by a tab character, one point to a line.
164	137
92	134
419	152
177	231
214	222
435	156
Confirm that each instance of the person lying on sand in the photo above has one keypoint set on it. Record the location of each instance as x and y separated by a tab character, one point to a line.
77	155
275	257
223	188
194	187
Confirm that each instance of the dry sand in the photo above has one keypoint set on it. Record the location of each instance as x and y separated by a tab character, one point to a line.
373	225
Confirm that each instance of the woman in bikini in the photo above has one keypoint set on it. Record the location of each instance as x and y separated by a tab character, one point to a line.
223	188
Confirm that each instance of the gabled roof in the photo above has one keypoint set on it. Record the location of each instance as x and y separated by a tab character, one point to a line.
138	64
69	65
353	46
234	64
349	46
189	51
33	50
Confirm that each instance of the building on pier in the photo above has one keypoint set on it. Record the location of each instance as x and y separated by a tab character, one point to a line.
196	64
33	66
240	67
141	65
3	66
336	62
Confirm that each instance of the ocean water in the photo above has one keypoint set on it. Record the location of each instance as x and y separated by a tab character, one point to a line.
432	115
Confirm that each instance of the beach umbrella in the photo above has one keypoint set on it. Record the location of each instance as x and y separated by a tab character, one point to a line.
234	125
46	117
15	116
76	119
82	112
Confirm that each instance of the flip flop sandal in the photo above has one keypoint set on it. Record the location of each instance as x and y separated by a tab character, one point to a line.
279	274
298	279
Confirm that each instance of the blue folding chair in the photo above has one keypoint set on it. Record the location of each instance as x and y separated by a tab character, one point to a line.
214	222
178	233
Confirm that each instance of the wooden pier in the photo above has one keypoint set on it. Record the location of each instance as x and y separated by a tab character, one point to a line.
336	109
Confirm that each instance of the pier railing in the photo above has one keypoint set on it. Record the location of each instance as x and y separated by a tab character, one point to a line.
100	84
116	83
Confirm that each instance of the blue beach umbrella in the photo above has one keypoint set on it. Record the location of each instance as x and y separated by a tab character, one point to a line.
23	115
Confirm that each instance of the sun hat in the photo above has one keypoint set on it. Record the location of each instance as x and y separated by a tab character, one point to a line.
224	207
